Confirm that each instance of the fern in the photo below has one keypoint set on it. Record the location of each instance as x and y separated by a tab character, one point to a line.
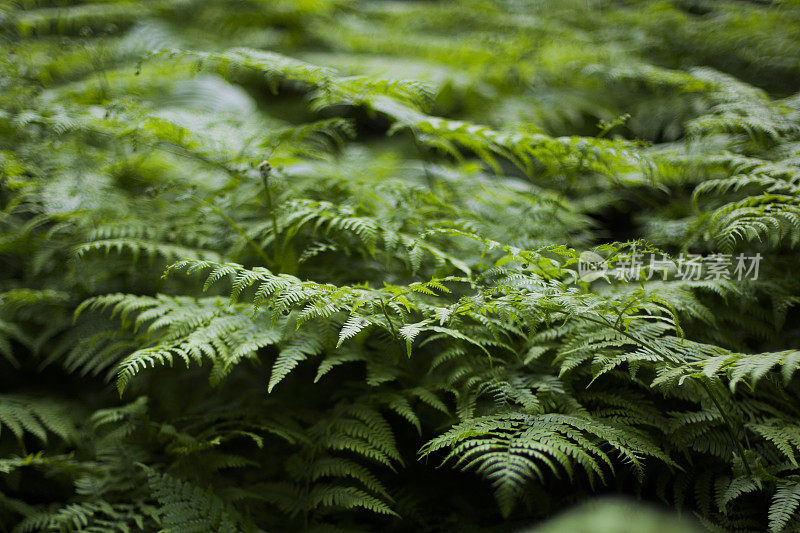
21	415
185	507
267	264
784	504
191	330
511	449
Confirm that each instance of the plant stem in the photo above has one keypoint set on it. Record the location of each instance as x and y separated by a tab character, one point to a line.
389	320
273	216
729	427
236	227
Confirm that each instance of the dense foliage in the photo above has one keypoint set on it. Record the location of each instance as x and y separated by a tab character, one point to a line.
313	264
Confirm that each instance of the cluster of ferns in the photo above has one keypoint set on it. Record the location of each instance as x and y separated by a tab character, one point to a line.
315	265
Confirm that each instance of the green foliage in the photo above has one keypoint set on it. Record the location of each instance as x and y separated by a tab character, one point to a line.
315	265
186	507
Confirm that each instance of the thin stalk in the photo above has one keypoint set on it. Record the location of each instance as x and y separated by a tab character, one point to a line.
238	229
389	320
265	169
425	160
728	426
307	491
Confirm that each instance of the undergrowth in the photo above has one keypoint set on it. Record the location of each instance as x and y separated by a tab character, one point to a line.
316	265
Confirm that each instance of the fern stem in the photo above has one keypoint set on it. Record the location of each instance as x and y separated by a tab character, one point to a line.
306	492
265	169
236	227
425	160
728	426
603	322
389	320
